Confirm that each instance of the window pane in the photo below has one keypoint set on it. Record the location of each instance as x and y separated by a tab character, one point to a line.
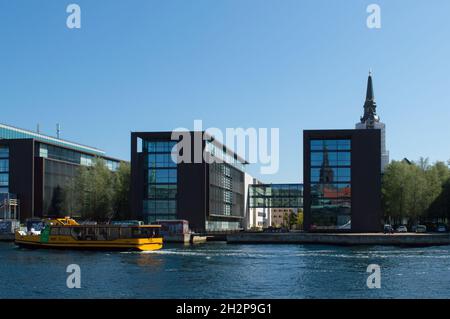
316	145
331	144
316	158
4	165
343	144
344	159
4	151
4	179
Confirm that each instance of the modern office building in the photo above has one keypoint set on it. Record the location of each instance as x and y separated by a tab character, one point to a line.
276	200
257	217
32	165
190	176
342	180
370	120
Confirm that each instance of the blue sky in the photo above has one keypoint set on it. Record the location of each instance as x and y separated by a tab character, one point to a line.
147	65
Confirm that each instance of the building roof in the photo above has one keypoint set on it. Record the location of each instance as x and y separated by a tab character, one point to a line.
10	132
205	135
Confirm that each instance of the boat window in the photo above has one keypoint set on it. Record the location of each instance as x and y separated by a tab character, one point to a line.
113	233
76	233
145	232
102	234
65	231
125	232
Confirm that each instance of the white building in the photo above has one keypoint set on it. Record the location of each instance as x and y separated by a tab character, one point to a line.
255	218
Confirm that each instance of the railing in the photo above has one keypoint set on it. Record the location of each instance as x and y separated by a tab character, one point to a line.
9	208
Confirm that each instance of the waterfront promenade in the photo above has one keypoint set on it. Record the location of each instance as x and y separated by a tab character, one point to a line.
402	239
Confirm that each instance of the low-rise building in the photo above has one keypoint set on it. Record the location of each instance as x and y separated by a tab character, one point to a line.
203	182
32	165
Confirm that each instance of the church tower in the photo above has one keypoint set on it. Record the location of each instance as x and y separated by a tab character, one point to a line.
326	172
370	120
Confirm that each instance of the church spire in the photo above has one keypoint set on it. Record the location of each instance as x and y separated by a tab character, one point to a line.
326	172
370	107
369	94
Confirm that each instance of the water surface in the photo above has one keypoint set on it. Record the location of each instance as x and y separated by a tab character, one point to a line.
219	270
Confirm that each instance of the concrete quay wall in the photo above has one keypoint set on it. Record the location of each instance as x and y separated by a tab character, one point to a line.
340	239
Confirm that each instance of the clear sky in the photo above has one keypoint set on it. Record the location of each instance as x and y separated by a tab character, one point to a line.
147	65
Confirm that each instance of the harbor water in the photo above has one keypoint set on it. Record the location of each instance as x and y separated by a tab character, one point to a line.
220	270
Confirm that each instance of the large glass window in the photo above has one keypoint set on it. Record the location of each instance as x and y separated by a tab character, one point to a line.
59	174
4	169
4	179
4	165
4	151
160	202
276	196
72	156
331	184
226	190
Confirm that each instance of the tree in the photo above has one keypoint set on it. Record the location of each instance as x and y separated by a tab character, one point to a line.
286	220
423	163
93	188
58	203
440	207
121	197
394	190
292	219
101	194
300	219
414	190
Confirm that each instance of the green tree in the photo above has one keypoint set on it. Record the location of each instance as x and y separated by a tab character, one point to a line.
442	171
292	219
414	190
101	194
93	188
423	163
58	203
121	191
444	199
300	219
440	207
285	220
394	190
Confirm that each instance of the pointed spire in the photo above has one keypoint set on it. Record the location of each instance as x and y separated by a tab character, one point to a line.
369	94
370	107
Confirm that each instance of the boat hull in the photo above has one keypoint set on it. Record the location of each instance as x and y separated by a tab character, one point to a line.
117	245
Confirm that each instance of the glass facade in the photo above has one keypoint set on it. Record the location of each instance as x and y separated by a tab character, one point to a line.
61	169
58	174
4	169
220	154
11	133
226	190
276	196
160	200
212	225
331	184
71	156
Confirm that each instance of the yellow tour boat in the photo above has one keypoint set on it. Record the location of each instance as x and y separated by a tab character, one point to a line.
66	233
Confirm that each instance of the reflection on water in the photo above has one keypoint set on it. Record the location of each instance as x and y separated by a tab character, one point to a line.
218	270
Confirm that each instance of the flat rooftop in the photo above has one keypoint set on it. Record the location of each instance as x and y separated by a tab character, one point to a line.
9	132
